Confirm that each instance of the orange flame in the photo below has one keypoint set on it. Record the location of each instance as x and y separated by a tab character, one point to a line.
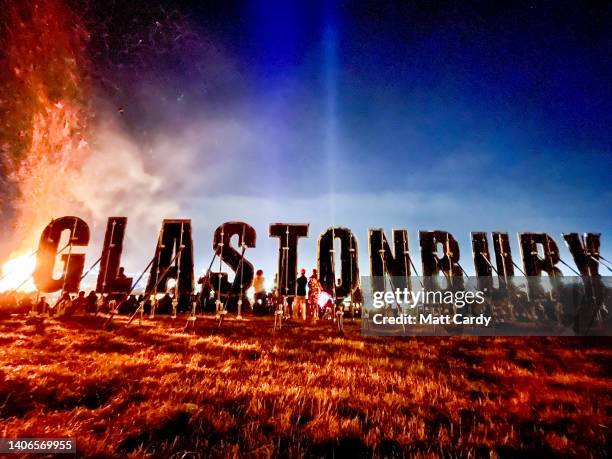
45	130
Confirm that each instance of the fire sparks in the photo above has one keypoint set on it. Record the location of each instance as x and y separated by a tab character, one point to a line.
44	135
56	129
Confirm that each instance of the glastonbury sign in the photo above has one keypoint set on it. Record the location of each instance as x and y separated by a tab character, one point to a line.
394	299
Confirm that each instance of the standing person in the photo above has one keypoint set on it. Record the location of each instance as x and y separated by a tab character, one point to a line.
314	288
204	298
300	295
259	288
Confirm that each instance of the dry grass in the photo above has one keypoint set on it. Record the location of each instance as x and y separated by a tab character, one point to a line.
245	390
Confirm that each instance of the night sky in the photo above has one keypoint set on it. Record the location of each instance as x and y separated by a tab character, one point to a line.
461	116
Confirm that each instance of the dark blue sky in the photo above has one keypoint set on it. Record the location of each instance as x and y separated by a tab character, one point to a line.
425	115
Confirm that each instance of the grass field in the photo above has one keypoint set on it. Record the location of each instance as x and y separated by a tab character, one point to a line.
246	390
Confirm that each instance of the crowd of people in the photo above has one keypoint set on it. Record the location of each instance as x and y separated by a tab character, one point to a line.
308	301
